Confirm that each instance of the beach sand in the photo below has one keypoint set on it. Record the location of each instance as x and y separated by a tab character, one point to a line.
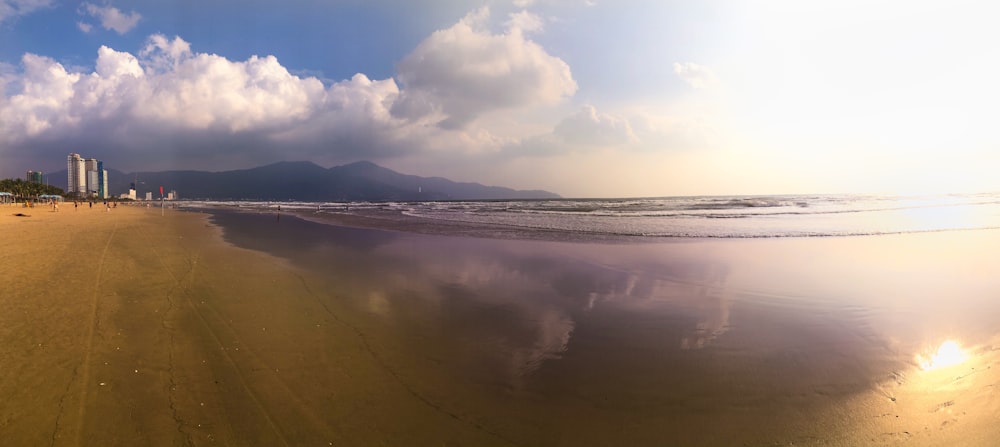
131	328
128	328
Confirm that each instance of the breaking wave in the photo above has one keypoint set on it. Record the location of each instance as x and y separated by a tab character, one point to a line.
715	216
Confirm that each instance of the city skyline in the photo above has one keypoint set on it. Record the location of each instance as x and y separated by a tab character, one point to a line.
86	177
580	97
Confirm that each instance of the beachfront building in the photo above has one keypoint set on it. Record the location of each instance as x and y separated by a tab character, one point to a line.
102	180
86	177
76	175
33	177
90	165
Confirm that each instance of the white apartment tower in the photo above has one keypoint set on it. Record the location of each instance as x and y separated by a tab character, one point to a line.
76	176
92	187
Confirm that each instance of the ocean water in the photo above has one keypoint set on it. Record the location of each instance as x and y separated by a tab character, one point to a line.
724	326
705	216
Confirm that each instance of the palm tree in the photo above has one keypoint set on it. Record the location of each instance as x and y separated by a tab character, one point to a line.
27	190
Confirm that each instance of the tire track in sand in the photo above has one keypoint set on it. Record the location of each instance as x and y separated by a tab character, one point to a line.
85	373
272	424
239	374
397	377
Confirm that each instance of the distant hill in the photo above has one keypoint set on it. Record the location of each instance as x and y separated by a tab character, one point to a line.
306	181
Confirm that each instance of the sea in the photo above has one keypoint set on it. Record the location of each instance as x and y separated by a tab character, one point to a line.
767	216
732	320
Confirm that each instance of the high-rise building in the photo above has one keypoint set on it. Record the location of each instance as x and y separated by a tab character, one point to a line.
91	183
91	166
102	181
76	177
33	177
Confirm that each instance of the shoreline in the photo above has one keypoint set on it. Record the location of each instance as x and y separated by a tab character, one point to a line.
642	220
828	307
398	221
126	328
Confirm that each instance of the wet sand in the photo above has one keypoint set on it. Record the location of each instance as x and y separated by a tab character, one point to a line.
128	328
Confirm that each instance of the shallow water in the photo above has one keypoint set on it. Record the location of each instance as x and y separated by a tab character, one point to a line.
671	217
692	342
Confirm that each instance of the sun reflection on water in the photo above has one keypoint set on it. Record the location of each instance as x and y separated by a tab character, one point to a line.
948	354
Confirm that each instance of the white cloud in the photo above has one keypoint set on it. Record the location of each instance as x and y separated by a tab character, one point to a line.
162	54
84	26
170	106
697	76
590	128
8	73
524	21
47	88
112	18
460	73
10	9
523	3
171	102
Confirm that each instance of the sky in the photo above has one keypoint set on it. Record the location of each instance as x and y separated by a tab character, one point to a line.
586	98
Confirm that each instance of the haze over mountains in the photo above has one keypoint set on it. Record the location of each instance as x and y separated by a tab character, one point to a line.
306	181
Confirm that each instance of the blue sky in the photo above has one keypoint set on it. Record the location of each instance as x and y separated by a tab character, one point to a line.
582	97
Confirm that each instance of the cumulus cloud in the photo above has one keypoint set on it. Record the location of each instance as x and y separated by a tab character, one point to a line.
588	127
111	18
170	102
47	88
162	54
524	21
697	76
586	130
170	106
84	26
8	73
462	72
10	9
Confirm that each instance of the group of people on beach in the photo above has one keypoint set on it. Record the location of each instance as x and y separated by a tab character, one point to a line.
107	205
54	204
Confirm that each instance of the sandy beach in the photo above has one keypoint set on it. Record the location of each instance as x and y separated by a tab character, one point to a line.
128	328
131	328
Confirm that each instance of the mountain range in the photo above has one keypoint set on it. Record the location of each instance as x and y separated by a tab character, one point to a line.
307	181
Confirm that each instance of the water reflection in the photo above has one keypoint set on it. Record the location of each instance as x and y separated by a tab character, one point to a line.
511	300
659	337
505	308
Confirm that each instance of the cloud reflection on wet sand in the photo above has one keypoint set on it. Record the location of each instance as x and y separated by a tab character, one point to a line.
689	342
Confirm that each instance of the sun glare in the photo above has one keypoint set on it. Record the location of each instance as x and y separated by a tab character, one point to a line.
948	354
